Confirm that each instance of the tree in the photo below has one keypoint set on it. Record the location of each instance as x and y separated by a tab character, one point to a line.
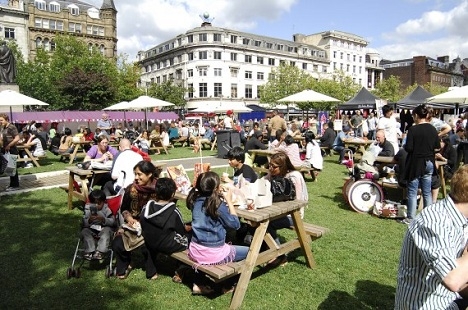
168	91
75	77
389	89
284	81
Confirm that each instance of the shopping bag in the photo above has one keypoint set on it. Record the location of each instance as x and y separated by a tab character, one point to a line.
199	169
10	169
180	177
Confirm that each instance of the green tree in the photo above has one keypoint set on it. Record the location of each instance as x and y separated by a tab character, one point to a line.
389	89
284	81
128	76
168	91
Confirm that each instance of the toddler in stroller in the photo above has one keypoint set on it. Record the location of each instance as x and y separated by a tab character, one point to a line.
98	226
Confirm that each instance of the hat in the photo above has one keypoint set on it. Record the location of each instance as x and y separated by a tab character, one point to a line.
229	112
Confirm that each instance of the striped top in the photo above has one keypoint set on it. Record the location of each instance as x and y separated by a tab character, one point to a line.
432	244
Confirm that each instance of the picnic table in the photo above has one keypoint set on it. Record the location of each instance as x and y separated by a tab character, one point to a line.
261	218
78	182
359	144
78	151
27	150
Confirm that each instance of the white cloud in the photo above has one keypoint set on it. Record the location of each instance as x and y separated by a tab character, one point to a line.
144	24
435	33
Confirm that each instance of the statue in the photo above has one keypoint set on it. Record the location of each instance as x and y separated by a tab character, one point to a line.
7	64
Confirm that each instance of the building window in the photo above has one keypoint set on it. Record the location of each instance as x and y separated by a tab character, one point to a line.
203	71
190	38
248	74
354	69
248	58
257	43
9	33
315	68
324	69
341	55
216	37
74	10
203	90
45	23
178	74
360	69
233	90
202	37
46	45
348	57
290	49
341	66
190	73
354	58
38	43
271	76
40	5
347	68
271	61
218	71
334	54
292	63
73	27
95	30
54	7
234	72
260	75
248	91
217	55
233	39
218	89
260	60
360	58
269	45
304	66
190	56
171	76
282	62
164	78
203	55
245	41
190	90
279	47
233	56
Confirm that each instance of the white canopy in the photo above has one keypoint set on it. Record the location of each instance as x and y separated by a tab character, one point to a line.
308	95
144	102
124	105
11	97
457	95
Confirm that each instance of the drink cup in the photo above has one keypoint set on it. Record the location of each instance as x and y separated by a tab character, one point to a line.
250	204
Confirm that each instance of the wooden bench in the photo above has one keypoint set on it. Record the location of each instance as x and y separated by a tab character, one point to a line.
35	159
183	141
217	273
156	145
314	231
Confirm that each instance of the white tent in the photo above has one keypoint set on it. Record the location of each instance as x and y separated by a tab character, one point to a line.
457	96
308	95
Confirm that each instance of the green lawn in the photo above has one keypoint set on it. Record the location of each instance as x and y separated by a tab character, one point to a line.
356	261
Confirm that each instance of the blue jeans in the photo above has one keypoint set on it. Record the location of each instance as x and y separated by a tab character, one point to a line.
424	182
241	252
339	149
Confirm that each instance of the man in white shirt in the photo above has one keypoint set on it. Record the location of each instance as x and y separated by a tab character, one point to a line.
227	121
389	124
122	168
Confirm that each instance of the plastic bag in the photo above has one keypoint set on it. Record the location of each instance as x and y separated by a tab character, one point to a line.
10	169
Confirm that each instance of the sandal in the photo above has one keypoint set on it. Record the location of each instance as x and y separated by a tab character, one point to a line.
125	275
177	278
97	255
202	290
88	256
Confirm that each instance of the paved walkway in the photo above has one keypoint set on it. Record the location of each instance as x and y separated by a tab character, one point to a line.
46	180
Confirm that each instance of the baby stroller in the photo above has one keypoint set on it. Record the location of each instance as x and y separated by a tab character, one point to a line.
361	190
114	203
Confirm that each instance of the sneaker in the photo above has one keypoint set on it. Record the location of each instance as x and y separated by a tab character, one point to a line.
406	221
29	166
11	189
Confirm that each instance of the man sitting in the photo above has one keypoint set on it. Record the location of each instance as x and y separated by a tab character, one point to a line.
236	157
386	148
255	143
328	137
339	145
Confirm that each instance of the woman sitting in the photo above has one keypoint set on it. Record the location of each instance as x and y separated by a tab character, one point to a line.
66	143
313	156
281	166
101	152
449	154
291	148
127	239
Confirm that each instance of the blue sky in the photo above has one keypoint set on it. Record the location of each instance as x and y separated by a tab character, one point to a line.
396	29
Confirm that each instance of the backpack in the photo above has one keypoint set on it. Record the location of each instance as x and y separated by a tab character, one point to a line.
283	189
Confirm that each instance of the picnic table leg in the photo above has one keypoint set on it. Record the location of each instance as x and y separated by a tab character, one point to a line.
304	240
73	155
33	159
71	188
442	181
250	263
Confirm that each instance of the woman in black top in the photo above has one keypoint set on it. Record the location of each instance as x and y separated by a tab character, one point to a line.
421	143
449	154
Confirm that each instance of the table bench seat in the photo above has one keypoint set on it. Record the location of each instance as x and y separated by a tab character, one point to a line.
302	170
217	273
181	141
314	231
159	148
34	159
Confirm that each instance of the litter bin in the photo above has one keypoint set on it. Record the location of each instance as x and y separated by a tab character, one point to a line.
226	140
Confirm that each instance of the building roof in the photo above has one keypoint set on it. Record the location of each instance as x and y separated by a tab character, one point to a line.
108	4
80	4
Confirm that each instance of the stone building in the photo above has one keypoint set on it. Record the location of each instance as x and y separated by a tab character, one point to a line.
13	24
47	18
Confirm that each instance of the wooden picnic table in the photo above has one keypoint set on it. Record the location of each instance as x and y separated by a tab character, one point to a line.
359	144
389	160
27	150
261	218
78	187
78	150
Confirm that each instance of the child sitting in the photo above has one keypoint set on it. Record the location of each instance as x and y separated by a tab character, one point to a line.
98	224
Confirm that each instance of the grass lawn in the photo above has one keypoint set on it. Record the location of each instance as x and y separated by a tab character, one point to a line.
356	261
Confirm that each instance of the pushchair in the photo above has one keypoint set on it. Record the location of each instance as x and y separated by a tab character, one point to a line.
114	203
361	191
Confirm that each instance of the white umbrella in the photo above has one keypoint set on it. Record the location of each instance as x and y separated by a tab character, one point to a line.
223	107
12	98
308	95
458	95
124	105
144	102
